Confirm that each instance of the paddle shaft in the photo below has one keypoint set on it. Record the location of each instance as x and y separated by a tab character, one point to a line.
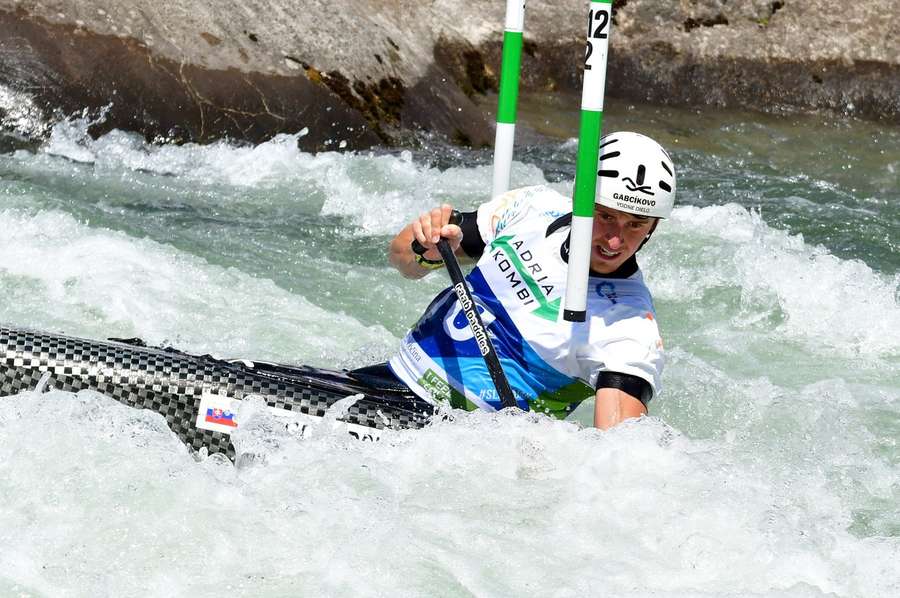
470	309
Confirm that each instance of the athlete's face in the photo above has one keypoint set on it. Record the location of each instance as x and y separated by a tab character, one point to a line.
617	235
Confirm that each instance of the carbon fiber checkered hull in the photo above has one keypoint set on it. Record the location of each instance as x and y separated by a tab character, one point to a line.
172	383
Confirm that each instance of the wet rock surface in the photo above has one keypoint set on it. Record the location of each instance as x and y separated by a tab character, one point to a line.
766	55
357	74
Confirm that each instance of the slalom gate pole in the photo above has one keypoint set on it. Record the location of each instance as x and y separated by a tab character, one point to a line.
593	88
510	68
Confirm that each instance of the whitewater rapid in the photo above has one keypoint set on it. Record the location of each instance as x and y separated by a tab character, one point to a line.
769	465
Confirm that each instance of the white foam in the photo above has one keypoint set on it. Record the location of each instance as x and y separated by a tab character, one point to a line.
384	193
770	482
557	509
827	303
276	161
378	193
100	283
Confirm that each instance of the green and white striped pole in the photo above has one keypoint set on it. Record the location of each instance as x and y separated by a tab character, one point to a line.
593	88
509	94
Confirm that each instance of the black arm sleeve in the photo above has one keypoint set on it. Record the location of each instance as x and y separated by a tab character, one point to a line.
472	244
633	385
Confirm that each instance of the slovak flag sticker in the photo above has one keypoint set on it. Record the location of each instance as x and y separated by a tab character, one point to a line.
214	415
217	413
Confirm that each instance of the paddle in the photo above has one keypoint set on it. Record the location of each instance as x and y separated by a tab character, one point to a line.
470	309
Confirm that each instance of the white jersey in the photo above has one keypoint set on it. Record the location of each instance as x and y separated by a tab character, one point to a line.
519	284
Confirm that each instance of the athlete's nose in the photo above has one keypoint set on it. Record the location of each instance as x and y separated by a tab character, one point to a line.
614	241
612	234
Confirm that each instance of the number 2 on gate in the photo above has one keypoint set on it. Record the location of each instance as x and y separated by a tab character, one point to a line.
598	22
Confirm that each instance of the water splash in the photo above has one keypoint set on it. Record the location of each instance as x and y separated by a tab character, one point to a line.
20	115
102	283
422	507
775	435
781	284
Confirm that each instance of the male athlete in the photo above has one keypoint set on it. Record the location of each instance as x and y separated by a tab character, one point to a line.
520	242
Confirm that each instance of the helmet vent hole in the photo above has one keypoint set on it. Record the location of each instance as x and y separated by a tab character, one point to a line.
610	155
665	186
666	166
608	173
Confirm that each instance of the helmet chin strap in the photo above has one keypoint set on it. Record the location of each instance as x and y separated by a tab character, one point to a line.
647	238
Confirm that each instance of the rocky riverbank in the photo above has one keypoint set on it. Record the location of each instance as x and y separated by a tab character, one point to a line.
368	72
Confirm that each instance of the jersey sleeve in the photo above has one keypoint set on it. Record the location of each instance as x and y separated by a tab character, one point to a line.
499	213
517	205
629	345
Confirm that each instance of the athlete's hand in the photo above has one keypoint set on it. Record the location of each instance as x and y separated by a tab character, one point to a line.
429	227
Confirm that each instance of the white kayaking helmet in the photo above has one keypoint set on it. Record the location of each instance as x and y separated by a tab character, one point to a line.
635	175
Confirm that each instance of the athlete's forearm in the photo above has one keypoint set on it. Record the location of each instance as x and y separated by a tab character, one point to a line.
613	406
